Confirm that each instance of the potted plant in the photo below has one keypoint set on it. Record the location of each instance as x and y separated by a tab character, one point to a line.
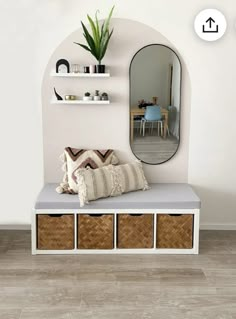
87	96
96	96
98	41
104	96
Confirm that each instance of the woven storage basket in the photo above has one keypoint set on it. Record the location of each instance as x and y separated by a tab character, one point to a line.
174	231
95	231
55	232
135	231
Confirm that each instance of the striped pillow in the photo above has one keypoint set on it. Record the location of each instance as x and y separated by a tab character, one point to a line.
109	181
74	158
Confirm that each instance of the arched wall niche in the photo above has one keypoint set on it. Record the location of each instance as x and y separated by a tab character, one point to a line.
105	126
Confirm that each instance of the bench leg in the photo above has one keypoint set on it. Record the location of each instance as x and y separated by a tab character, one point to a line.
33	233
196	229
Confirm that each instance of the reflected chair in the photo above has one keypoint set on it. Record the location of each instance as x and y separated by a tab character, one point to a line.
152	115
137	122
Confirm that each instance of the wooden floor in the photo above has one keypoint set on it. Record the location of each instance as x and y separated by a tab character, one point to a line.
153	148
119	287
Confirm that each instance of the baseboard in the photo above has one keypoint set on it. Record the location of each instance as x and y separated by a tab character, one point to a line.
218	226
15	227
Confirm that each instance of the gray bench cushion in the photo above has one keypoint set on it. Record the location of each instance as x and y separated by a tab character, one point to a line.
160	196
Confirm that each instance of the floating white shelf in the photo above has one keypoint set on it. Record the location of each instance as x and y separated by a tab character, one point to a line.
80	75
75	102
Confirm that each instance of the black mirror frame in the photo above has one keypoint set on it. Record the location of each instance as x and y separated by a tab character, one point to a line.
165	46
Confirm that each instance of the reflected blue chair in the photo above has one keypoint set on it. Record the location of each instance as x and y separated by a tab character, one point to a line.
152	115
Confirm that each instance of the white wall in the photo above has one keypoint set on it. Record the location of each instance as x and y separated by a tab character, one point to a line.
150	74
30	31
80	126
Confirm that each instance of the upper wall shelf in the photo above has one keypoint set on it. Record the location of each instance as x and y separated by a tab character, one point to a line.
80	75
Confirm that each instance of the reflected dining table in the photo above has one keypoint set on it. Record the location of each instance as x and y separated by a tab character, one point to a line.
136	111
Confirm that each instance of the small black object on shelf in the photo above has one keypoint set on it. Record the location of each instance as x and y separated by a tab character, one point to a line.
62	62
59	98
86	69
100	68
104	96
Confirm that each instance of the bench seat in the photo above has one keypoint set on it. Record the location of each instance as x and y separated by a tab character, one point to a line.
160	196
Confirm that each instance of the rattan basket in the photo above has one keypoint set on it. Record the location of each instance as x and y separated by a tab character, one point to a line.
135	231
95	231
55	232
174	231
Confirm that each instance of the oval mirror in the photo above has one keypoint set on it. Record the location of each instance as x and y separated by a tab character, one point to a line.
155	102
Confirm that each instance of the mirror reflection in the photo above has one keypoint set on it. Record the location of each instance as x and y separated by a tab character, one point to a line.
155	96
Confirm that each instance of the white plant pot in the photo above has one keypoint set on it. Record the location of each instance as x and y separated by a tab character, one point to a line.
92	69
87	98
97	98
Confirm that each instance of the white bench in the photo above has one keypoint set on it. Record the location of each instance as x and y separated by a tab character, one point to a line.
160	199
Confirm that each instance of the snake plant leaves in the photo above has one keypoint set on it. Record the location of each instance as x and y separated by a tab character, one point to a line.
98	41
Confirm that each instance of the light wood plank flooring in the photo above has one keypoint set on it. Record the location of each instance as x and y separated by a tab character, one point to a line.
153	148
122	287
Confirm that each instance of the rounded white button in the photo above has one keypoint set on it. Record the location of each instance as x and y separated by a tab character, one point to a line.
210	25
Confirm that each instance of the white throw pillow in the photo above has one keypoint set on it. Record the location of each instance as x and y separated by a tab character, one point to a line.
110	181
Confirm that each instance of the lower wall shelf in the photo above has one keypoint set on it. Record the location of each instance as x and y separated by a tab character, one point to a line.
81	102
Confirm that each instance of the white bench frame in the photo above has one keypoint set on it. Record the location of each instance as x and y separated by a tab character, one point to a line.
115	250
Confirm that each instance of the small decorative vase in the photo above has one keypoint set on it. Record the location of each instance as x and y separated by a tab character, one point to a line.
154	100
70	97
100	68
104	97
74	68
92	68
86	69
97	96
